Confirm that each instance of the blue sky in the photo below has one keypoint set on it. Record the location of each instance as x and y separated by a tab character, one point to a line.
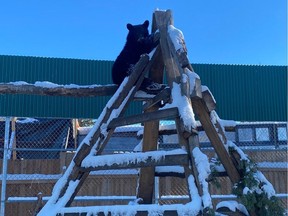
221	32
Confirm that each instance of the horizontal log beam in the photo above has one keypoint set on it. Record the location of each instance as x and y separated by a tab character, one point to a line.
58	90
170	113
105	212
137	162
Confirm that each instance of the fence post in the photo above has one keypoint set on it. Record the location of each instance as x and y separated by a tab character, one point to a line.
4	165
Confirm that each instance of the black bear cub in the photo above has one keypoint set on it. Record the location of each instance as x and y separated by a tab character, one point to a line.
138	42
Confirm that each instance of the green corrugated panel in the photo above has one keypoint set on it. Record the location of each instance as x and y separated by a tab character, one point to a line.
247	93
243	93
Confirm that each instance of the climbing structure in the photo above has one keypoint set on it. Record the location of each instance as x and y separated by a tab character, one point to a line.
183	98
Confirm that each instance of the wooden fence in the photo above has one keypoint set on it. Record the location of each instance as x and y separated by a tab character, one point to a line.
20	185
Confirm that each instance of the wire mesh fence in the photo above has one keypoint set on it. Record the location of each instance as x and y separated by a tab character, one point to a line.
39	150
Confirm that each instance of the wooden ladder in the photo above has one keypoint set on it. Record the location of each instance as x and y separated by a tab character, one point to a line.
88	156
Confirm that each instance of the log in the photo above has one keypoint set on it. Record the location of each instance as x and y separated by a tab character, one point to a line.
166	160
146	176
170	113
200	108
77	91
150	136
137	76
104	212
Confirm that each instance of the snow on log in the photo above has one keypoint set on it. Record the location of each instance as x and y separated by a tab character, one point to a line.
51	89
135	160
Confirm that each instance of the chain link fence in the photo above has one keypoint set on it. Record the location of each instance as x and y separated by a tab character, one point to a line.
39	150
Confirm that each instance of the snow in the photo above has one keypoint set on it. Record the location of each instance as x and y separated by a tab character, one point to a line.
27	120
174	169
195	197
177	37
233	206
18	83
138	148
192	76
142	94
205	88
267	187
95	161
53	203
154	209
203	167
47	84
184	107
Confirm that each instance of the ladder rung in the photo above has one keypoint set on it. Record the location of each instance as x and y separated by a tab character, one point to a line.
173	171
170	113
139	210
134	160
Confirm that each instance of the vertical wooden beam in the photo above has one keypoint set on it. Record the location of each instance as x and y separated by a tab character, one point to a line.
174	71
200	109
163	19
150	137
146	177
186	143
13	128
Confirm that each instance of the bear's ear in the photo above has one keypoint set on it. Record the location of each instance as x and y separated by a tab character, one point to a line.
146	23
129	26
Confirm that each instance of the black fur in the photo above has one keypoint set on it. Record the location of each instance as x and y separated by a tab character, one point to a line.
138	42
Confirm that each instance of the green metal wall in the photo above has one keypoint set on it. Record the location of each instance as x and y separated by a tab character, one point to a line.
243	93
247	93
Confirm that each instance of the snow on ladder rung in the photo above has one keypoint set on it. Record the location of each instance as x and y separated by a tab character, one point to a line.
135	160
150	209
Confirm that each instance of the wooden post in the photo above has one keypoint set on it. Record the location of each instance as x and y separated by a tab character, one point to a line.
151	132
13	129
146	177
204	117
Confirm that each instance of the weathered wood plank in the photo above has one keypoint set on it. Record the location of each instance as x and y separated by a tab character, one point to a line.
163	19
146	176
209	100
188	170
125	95
201	110
166	160
150	136
109	213
174	72
80	91
170	113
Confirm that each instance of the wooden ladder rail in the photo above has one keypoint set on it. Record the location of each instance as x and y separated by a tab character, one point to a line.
150	136
99	139
135	79
188	138
199	106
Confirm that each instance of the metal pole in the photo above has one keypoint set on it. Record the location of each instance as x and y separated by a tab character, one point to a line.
5	162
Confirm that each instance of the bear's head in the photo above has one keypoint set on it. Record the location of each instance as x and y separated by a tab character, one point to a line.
137	32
